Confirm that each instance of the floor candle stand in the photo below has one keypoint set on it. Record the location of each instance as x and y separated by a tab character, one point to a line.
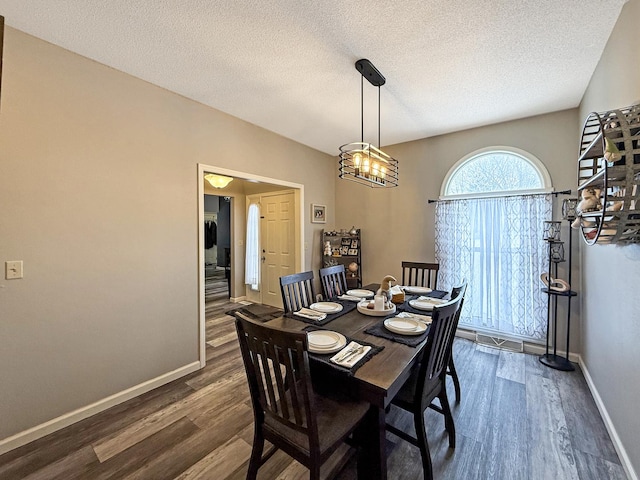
549	359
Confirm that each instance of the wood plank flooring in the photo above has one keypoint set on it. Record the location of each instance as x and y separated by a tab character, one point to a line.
517	420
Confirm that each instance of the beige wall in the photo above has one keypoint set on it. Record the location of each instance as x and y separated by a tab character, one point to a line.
398	224
99	199
611	274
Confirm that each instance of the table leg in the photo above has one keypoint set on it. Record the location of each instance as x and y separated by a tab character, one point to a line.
372	460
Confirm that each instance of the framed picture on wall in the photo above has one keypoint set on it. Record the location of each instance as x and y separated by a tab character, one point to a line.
318	213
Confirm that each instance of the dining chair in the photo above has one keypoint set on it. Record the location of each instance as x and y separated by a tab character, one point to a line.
451	368
334	281
287	412
420	274
297	291
428	382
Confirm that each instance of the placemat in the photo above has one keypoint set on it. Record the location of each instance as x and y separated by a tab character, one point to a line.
347	306
324	359
379	330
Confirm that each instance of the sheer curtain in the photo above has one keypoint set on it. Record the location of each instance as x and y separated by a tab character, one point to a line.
496	244
252	254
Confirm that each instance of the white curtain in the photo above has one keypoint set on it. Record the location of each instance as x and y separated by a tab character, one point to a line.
252	254
496	244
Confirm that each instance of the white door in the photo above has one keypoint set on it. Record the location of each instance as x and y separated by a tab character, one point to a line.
277	234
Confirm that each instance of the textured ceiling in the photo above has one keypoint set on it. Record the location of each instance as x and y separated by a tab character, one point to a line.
288	65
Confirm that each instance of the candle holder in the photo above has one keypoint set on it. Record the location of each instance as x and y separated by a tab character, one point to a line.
569	206
551	232
557	252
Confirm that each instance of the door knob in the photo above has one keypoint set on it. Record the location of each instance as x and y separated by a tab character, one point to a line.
264	258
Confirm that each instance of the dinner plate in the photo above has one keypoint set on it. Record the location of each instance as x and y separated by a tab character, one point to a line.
427	305
417	290
326	307
362	308
405	326
360	293
325	341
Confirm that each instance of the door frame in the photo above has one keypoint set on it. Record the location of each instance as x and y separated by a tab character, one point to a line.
299	261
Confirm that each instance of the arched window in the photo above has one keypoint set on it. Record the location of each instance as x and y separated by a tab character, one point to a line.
489	231
496	171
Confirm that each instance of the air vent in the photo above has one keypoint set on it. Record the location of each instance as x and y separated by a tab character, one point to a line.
498	342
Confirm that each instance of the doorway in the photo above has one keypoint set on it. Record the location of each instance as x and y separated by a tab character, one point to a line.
217	247
243	185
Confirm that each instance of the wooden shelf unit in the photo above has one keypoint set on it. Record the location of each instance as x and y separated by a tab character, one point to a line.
338	240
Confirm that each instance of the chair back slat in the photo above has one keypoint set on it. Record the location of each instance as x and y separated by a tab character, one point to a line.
334	281
277	367
420	274
297	291
438	350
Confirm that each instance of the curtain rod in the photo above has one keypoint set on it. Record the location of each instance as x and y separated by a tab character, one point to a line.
563	192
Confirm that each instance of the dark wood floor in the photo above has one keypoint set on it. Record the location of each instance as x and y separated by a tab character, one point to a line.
517	420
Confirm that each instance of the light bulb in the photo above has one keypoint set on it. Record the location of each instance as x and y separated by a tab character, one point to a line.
365	166
383	172
357	159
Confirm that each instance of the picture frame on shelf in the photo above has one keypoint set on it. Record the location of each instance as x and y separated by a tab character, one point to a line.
354	243
318	213
344	250
353	252
346	241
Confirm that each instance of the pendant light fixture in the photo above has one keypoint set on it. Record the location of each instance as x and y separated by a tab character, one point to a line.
363	162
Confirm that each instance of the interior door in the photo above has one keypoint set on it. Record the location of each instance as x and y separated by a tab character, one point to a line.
277	233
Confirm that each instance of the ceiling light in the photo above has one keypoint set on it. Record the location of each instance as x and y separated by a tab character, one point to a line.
217	181
363	162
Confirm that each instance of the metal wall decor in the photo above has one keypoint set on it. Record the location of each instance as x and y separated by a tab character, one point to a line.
556	251
363	162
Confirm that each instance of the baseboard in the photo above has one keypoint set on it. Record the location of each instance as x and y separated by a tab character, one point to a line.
238	299
532	348
69	418
615	439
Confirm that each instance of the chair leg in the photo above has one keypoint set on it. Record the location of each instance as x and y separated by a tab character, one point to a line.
448	418
451	370
256	454
421	434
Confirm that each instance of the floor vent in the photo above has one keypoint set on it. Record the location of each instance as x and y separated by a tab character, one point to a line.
497	342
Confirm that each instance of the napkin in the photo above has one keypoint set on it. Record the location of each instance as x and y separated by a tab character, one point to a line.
347	357
310	314
350	297
421	318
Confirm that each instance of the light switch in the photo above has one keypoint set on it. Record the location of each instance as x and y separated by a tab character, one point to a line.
13	269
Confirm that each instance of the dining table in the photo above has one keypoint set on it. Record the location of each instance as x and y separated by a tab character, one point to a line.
375	381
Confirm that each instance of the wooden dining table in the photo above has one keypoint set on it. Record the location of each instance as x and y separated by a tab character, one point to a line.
377	381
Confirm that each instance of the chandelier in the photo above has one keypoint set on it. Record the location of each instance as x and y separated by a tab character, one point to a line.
363	162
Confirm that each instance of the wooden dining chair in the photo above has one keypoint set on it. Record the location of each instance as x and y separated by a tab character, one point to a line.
451	368
420	274
428	382
287	412
334	281
297	291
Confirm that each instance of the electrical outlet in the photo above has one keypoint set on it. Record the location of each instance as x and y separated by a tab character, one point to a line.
13	269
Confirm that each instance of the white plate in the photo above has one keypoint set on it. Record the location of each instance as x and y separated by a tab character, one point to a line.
403	326
417	290
360	293
426	305
325	341
362	308
326	307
